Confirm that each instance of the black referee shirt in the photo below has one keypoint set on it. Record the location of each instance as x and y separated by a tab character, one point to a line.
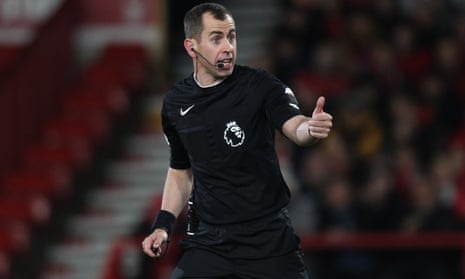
225	133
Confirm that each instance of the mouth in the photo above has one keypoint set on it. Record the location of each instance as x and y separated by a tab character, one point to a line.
227	63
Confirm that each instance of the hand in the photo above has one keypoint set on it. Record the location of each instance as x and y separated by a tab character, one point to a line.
153	242
321	122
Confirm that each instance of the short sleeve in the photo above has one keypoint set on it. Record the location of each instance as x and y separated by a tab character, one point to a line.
280	102
179	158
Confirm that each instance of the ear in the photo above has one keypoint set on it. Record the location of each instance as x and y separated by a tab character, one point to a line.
189	44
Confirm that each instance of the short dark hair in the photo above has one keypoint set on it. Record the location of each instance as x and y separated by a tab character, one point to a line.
193	18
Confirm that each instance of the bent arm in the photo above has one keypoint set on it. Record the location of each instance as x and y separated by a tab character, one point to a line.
304	130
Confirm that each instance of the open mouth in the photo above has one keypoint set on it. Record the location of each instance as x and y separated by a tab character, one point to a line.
227	63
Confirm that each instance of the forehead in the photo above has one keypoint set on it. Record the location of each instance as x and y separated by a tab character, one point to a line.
211	24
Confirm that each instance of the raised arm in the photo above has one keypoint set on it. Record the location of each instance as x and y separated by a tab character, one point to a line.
305	131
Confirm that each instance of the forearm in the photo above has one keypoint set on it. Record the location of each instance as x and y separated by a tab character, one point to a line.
177	189
297	130
302	134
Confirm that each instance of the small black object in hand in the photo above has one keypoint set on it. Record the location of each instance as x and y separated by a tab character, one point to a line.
162	250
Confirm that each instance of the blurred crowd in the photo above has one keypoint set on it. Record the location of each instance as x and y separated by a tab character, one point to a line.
393	75
394	78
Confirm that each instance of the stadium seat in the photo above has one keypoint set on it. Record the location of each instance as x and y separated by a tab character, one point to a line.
55	184
88	128
57	156
93	99
14	238
8	53
119	64
30	209
125	53
113	74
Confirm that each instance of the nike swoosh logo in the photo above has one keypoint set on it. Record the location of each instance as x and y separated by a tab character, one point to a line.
184	112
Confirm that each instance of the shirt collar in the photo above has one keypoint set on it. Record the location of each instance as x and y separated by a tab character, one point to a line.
206	86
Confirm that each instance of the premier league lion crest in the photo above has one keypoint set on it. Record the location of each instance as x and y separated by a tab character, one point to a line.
234	135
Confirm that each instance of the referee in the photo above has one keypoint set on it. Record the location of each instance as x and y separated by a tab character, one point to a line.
220	124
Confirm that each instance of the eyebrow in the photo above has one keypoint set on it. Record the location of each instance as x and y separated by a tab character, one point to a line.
221	33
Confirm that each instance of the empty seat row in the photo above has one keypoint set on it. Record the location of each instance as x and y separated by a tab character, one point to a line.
66	143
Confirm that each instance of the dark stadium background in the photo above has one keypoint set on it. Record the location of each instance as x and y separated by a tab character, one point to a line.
82	157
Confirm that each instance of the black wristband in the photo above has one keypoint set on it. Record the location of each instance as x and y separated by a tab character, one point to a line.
164	220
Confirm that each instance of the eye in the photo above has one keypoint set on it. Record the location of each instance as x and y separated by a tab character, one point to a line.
216	40
232	37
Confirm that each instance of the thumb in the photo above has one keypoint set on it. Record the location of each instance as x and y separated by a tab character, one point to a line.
157	243
156	246
160	239
319	105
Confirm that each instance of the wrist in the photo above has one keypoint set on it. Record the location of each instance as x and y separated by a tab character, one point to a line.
311	139
165	221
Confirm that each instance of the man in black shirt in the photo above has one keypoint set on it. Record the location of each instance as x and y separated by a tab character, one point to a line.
220	124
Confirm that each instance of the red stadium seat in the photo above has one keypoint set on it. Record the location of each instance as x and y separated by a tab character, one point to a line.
5	265
125	52
59	156
93	99
88	128
30	209
8	53
55	184
14	238
119	64
114	74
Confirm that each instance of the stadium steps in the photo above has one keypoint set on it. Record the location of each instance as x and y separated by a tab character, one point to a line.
112	211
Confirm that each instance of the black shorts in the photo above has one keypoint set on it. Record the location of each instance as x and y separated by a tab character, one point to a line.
264	248
203	264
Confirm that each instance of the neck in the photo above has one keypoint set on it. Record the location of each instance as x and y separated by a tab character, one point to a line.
202	78
206	84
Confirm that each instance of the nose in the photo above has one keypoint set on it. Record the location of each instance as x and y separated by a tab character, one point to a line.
228	45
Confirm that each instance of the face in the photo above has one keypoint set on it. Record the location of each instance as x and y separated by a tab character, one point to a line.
218	45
